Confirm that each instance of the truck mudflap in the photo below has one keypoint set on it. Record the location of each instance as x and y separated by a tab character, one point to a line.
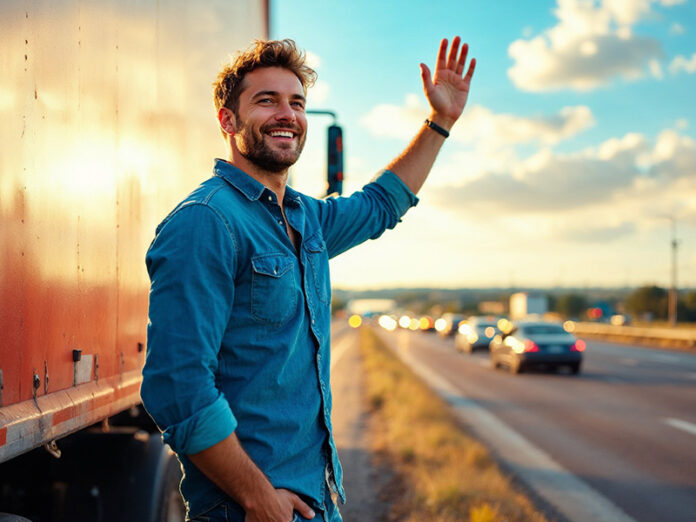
36	422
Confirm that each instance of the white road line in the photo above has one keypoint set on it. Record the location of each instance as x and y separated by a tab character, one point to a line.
629	362
681	425
665	357
339	349
574	498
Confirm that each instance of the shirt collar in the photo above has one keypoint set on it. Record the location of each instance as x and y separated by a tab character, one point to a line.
247	185
292	197
239	179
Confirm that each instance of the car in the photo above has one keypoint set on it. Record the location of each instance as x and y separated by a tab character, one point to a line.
448	324
527	344
475	333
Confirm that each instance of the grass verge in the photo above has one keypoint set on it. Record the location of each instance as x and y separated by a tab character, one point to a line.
441	474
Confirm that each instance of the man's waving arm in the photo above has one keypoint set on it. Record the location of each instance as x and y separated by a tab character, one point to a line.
447	92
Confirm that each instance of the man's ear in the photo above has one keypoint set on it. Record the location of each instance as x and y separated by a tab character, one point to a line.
228	123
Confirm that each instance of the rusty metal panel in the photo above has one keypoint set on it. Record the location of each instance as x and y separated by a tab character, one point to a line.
106	121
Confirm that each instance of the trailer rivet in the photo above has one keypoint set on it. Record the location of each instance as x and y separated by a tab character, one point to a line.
37	381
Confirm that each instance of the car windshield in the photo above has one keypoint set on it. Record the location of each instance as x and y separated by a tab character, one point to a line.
543	329
485	325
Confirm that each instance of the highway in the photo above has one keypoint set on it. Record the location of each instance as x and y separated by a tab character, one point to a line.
624	430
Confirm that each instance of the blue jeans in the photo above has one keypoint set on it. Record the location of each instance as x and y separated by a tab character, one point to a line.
230	511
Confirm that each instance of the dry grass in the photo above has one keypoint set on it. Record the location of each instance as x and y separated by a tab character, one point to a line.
441	474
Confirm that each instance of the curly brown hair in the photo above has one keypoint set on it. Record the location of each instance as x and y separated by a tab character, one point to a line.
262	53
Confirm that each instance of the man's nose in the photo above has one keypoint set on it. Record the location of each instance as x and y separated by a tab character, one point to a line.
285	112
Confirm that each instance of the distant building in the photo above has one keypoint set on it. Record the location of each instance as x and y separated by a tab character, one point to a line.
492	307
370	306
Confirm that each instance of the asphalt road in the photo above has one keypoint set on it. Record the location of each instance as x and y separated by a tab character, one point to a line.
626	426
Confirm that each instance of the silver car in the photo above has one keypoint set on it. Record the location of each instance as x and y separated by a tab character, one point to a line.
536	343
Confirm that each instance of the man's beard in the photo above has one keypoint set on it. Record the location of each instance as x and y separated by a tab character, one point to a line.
252	146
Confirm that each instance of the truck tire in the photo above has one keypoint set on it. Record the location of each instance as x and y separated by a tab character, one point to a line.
155	492
122	475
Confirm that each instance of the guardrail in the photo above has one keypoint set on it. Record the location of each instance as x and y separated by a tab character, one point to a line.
667	337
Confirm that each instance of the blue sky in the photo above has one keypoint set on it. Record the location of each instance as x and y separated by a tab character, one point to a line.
576	148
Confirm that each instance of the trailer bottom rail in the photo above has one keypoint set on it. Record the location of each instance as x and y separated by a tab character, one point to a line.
35	422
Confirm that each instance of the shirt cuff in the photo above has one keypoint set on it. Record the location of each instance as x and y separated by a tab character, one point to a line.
400	195
211	425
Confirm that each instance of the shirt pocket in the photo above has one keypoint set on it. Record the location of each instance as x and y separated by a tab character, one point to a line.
319	263
273	289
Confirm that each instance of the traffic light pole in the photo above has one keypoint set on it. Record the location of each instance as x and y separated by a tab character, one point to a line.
334	163
324	113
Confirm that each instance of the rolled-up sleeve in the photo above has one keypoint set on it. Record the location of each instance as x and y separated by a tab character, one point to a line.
366	214
191	264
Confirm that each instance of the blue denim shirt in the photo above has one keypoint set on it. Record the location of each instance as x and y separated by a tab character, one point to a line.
239	325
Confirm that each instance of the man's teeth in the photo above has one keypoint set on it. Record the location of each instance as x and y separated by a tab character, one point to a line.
282	134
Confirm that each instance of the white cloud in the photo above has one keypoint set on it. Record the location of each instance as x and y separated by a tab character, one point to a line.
318	93
592	232
677	29
682	124
312	59
591	44
656	70
683	64
395	121
479	125
607	188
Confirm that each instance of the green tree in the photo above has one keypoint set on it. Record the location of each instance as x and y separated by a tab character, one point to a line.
571	305
687	307
648	300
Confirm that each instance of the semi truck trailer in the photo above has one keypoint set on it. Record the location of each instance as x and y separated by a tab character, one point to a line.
107	122
524	304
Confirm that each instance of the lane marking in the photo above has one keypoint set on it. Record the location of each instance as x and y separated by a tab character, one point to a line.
629	362
339	349
665	357
573	497
681	425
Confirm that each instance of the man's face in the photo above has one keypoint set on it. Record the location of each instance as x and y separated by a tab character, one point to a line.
271	125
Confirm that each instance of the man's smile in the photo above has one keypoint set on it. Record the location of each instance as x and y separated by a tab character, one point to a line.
282	134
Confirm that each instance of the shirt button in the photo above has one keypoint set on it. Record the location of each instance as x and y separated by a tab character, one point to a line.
312	321
270	198
319	357
280	222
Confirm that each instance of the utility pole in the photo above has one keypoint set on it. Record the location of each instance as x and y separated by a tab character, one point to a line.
673	289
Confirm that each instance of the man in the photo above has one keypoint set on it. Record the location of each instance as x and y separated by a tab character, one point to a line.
237	368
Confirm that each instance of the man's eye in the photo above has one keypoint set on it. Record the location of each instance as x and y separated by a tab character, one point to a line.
299	105
265	100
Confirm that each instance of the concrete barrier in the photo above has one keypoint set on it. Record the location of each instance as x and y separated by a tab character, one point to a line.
684	338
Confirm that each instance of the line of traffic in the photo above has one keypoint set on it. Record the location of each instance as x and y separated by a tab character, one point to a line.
571	496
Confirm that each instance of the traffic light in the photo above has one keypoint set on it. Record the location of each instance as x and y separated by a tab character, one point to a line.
335	161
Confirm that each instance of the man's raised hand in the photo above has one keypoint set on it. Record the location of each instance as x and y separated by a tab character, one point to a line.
448	90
